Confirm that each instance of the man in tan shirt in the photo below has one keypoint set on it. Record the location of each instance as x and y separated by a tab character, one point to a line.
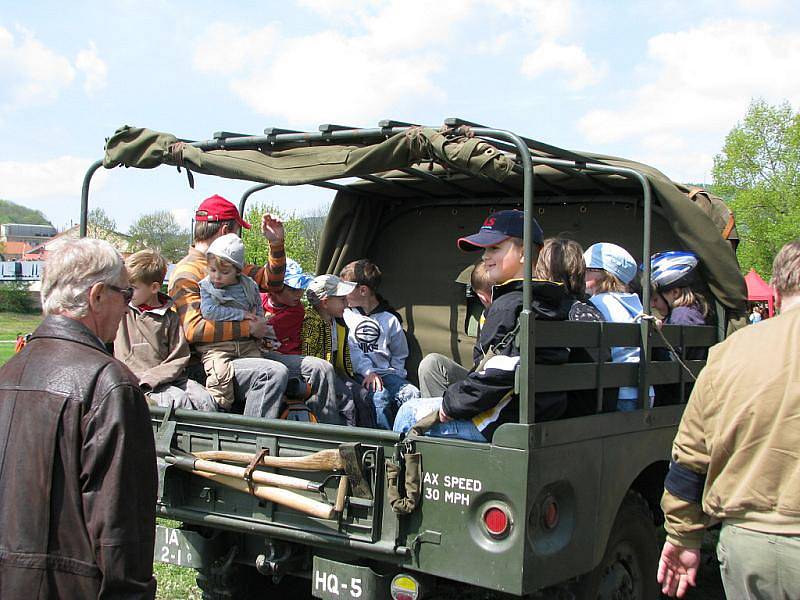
736	457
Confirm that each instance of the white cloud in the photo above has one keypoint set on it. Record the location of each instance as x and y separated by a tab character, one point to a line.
549	19
703	80
571	60
495	46
33	74
385	59
699	81
305	81
227	48
94	69
55	178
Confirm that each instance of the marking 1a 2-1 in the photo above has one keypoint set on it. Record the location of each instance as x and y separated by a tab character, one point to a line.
171	550
452	489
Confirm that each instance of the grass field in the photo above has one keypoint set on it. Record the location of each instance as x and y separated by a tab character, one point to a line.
12	324
175	583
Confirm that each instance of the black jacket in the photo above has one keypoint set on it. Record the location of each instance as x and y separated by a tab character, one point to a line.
77	471
478	397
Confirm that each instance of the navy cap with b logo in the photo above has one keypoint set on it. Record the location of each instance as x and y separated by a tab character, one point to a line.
497	227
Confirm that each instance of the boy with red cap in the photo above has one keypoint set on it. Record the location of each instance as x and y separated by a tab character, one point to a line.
472	404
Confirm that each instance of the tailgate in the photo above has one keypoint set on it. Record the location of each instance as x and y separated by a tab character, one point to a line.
188	497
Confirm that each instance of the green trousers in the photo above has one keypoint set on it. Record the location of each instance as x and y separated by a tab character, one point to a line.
758	566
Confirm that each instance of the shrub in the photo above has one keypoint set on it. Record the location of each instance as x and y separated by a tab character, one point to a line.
14	297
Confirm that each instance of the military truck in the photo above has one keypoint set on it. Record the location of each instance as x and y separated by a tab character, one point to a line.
567	507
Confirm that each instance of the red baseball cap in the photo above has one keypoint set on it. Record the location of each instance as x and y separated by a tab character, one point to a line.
217	208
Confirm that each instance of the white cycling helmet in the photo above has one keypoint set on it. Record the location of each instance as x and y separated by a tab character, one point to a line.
673	269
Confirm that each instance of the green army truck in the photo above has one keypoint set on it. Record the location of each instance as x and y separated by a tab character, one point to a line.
566	508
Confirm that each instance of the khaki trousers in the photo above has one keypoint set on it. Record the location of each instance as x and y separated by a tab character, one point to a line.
758	566
218	360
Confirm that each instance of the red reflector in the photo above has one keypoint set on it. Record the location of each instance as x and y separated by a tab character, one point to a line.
496	521
550	514
403	596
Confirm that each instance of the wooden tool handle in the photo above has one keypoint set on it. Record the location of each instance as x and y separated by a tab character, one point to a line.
341	495
324	460
285	481
293	500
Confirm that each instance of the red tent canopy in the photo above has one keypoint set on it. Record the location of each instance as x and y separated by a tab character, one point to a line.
759	290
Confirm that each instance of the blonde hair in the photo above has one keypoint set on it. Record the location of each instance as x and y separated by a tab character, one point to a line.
786	270
146	266
688	297
608	283
561	260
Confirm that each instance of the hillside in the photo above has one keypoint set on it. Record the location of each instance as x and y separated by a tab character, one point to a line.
14	213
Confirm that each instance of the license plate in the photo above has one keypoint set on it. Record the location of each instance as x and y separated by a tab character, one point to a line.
179	547
333	580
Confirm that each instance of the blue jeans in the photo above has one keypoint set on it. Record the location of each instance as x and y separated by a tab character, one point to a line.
396	391
413	410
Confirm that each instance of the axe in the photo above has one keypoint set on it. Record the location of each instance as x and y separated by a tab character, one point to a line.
346	458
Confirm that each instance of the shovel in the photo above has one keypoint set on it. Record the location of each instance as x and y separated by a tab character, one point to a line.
346	458
234	477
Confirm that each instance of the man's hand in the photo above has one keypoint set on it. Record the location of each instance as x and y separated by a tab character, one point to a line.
272	229
677	569
373	382
258	327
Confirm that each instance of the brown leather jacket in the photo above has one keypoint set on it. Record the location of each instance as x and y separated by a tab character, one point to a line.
77	471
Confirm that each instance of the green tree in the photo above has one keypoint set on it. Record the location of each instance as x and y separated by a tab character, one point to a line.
160	231
299	245
99	225
758	172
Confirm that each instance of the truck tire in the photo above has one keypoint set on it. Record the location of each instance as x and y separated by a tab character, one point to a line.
628	568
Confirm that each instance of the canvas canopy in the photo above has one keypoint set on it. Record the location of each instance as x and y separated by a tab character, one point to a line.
759	290
444	161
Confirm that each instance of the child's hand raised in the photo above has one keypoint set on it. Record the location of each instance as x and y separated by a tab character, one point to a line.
272	228
373	382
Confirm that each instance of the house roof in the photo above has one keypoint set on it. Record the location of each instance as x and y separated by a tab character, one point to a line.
16	248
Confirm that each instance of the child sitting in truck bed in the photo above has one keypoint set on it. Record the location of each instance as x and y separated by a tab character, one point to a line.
150	339
324	335
226	294
285	310
473	407
378	346
672	277
609	271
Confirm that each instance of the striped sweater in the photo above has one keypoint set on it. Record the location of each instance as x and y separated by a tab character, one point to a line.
184	287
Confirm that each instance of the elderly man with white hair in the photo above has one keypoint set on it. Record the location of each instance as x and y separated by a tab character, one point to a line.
77	456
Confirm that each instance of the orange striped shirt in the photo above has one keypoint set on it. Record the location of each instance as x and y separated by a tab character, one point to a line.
184	287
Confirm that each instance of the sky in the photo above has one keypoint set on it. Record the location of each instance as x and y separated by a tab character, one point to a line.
661	82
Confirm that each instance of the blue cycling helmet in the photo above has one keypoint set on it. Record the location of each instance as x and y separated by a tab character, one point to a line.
672	269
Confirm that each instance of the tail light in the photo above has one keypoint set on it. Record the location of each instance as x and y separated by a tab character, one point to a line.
497	521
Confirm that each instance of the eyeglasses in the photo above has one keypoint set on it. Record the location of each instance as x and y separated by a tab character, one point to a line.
127	293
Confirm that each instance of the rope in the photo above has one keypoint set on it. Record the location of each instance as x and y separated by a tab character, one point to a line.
646	317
